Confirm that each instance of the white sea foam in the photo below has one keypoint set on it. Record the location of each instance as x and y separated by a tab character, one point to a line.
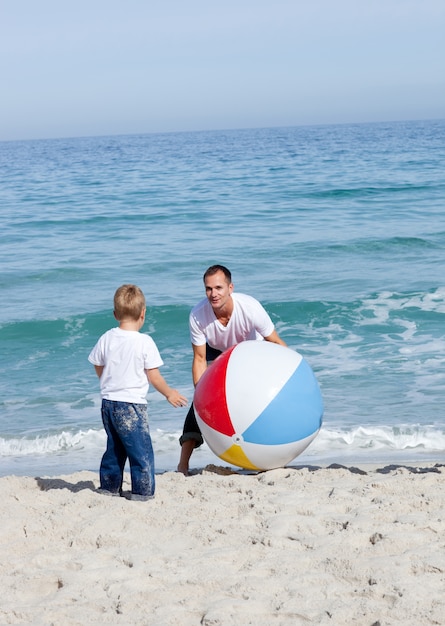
51	444
386	302
56	453
428	438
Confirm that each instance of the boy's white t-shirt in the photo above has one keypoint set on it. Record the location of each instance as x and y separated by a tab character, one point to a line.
125	355
249	320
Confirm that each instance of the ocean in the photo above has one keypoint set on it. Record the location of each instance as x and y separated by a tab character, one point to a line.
338	230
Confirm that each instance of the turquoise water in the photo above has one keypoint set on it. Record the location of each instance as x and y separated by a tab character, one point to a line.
338	230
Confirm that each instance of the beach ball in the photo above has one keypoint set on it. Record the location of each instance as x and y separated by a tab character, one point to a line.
258	405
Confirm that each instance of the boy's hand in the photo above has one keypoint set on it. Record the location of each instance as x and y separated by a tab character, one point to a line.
176	399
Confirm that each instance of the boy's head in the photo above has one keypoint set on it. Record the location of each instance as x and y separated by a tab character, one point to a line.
129	303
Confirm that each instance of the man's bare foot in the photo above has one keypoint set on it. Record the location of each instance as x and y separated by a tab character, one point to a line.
183	470
186	452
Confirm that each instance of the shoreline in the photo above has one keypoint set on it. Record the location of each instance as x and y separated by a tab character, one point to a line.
298	545
56	465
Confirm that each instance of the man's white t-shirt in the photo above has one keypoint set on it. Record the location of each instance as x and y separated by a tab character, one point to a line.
249	320
125	355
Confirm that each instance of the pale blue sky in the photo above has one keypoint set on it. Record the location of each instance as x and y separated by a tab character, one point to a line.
99	67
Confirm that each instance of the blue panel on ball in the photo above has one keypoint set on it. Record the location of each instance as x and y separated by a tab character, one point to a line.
295	412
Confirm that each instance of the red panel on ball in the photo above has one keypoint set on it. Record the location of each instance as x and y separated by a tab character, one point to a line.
210	396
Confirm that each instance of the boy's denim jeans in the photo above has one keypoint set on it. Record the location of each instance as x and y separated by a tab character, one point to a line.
128	436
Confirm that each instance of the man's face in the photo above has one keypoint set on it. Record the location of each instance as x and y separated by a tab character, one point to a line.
218	290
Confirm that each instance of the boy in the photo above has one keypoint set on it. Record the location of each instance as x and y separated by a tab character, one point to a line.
126	361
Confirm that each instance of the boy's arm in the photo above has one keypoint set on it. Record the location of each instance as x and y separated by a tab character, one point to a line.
99	369
156	379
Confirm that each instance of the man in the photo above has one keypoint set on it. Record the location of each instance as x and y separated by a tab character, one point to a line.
221	320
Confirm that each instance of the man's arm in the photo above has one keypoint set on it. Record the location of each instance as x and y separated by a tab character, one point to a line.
99	369
274	338
199	364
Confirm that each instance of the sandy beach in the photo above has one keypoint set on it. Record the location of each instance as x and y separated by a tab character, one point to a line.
302	545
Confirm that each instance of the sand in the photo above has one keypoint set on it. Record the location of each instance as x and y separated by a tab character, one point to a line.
304	545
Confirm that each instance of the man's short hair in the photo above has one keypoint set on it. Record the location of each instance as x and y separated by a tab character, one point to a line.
213	269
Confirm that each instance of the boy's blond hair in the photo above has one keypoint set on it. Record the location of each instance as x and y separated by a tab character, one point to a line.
129	303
